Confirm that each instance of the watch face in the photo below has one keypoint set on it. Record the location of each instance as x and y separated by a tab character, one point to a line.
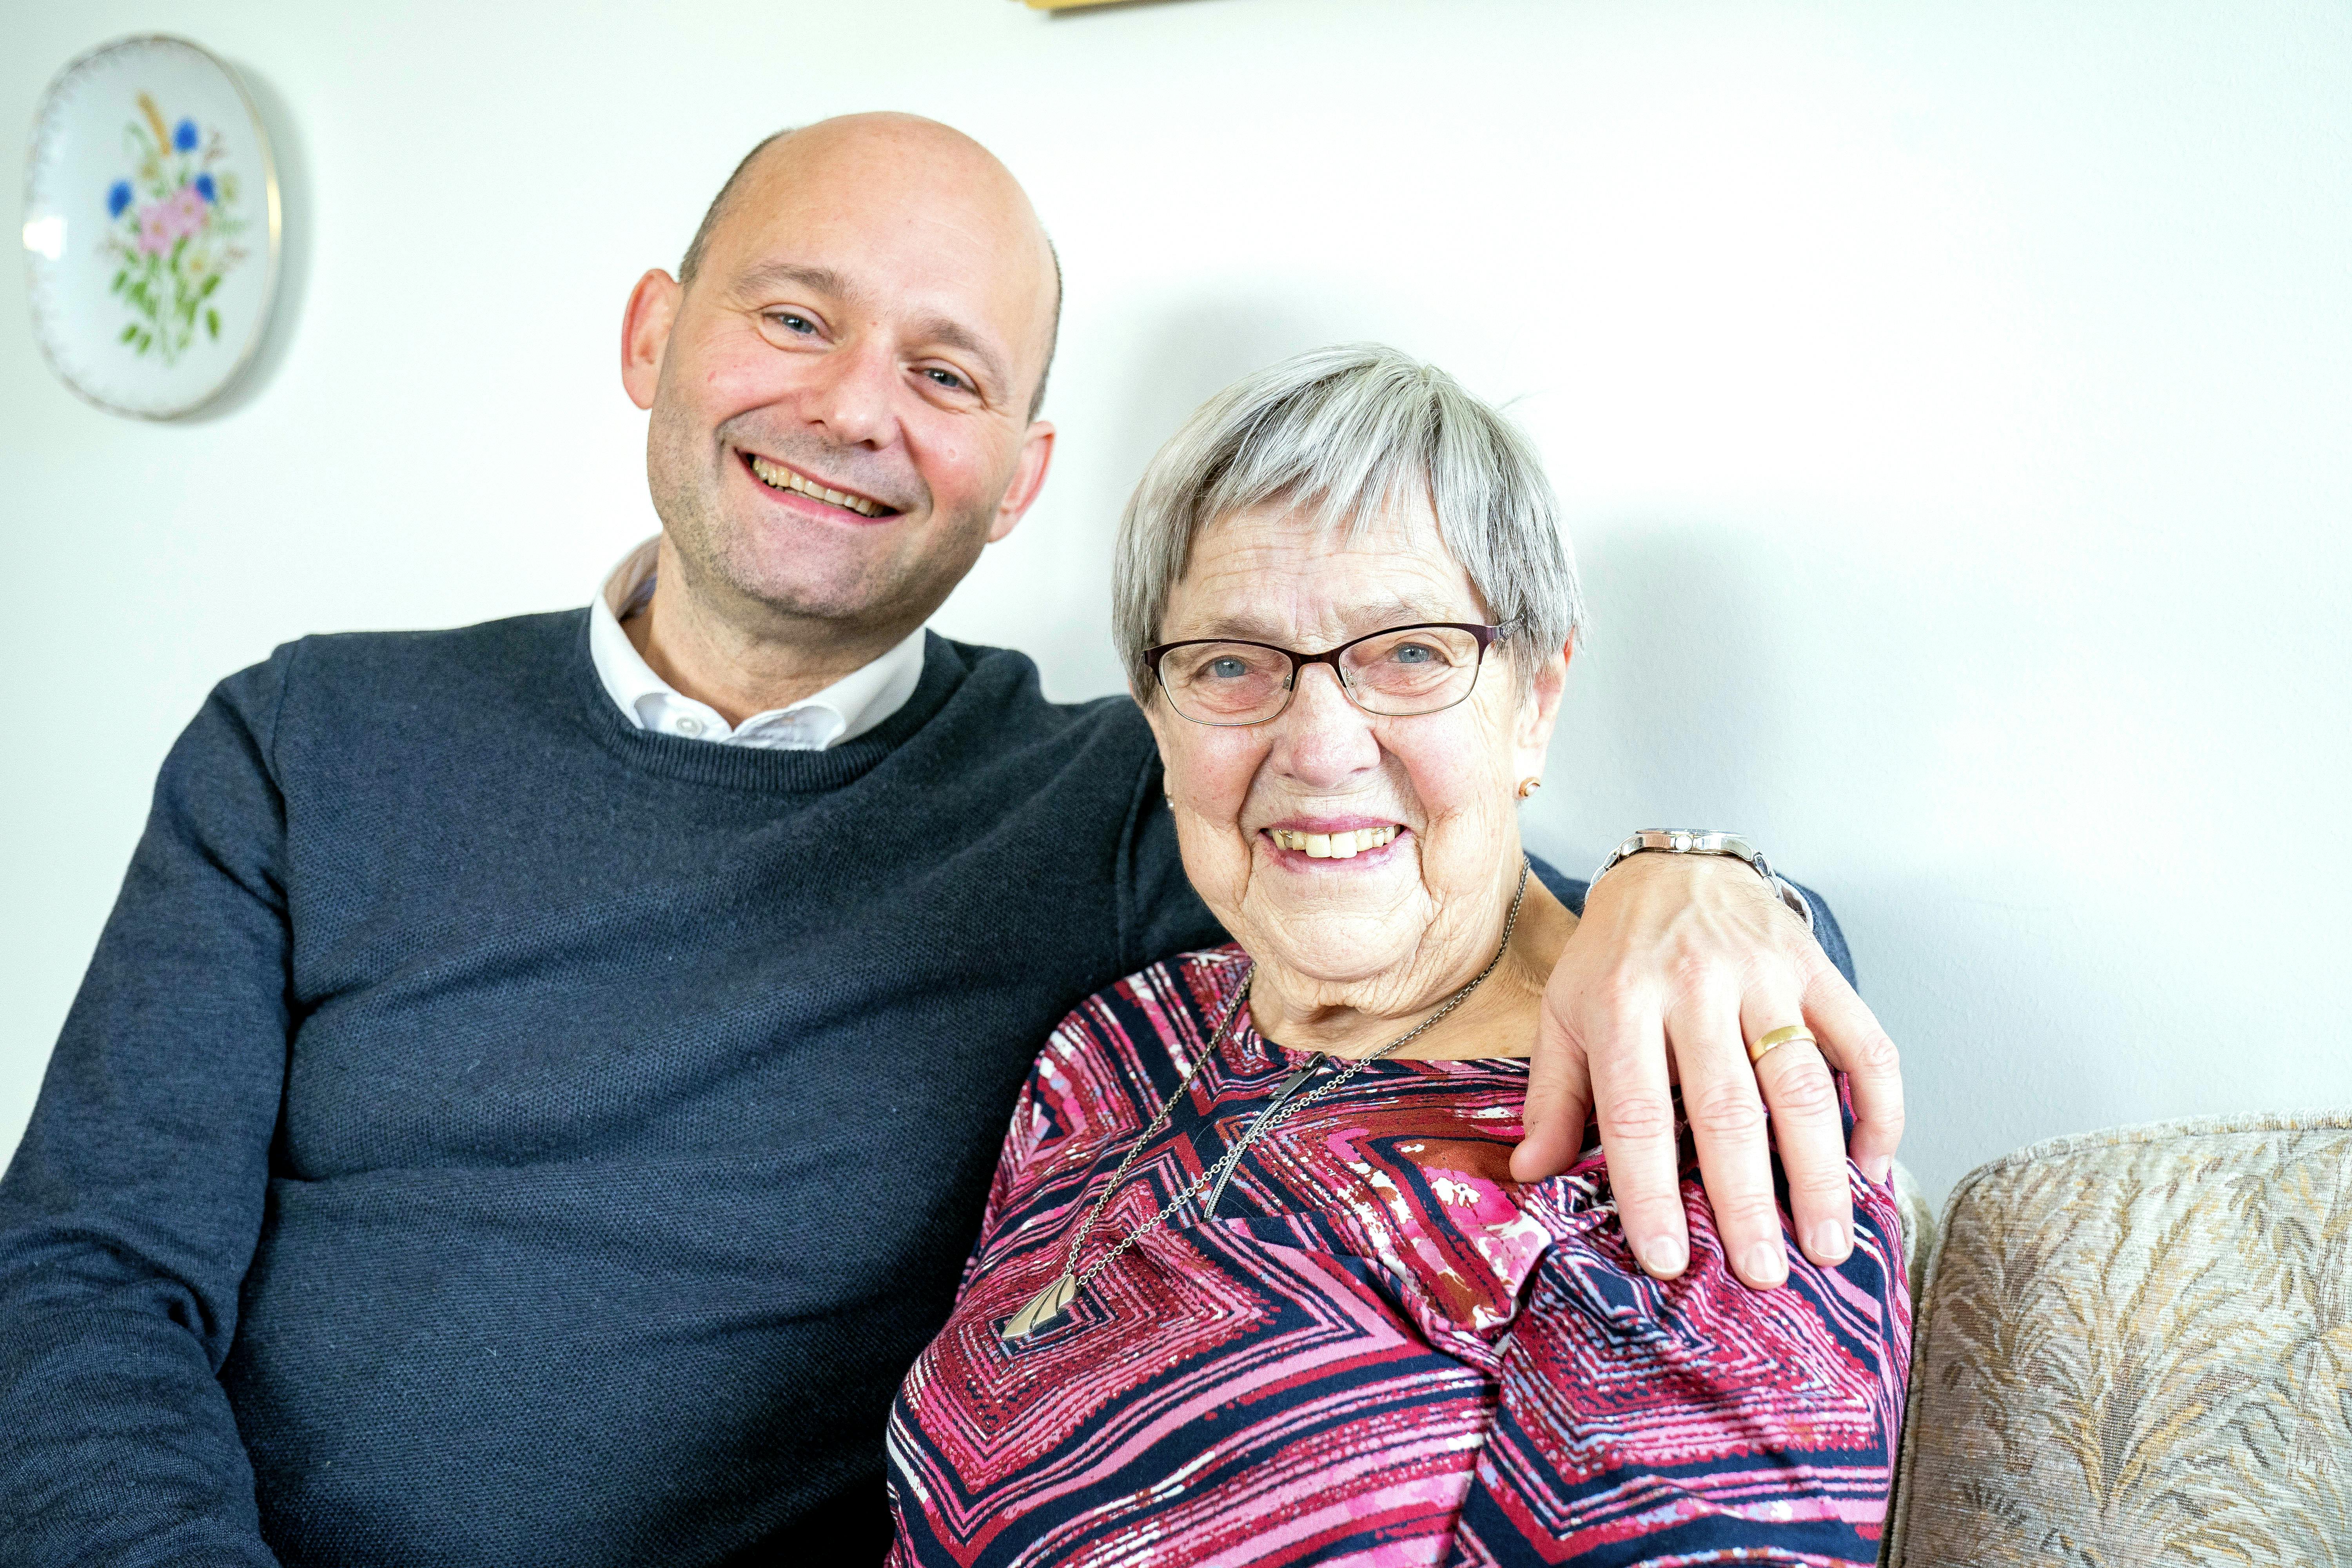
151	228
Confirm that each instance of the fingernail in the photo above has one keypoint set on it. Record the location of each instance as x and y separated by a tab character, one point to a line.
1880	1169
1831	1242
1767	1263
1663	1255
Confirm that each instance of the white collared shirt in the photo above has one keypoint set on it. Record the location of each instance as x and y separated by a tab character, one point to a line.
842	711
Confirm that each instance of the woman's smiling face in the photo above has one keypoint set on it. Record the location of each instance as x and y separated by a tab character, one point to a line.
1439	788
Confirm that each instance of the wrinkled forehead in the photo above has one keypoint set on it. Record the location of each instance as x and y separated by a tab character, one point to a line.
1318	571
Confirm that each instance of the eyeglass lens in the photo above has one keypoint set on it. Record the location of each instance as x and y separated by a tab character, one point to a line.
1418	669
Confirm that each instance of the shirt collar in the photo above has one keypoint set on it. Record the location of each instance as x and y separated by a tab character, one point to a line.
842	711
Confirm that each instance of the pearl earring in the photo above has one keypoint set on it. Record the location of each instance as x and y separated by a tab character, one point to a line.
1528	787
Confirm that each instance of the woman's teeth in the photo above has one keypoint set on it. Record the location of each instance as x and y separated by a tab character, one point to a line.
1333	846
775	476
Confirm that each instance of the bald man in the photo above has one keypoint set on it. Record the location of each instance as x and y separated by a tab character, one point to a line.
538	1085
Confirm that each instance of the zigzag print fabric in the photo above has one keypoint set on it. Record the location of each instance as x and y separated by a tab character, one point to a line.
1379	1350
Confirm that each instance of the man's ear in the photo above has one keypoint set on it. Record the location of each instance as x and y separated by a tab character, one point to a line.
1028	477
645	333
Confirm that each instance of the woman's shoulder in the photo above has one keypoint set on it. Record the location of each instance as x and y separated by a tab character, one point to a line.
1108	1064
1165	1010
1129	1040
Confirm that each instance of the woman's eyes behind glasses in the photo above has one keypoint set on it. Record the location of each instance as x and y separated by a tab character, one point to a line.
1412	662
1225	683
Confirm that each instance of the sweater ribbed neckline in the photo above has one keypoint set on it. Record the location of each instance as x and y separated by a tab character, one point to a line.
756	768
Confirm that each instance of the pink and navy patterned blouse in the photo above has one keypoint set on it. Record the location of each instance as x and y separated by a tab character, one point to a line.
1377	1350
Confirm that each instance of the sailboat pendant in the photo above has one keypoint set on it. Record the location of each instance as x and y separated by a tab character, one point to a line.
1042	1308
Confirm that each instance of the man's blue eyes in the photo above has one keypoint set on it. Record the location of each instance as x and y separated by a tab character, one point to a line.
802	326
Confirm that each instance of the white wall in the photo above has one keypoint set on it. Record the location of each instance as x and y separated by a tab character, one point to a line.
1951	402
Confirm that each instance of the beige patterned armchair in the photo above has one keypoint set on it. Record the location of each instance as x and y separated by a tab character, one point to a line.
2135	1347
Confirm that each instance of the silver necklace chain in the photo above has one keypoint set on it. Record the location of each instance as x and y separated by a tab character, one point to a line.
1050	1302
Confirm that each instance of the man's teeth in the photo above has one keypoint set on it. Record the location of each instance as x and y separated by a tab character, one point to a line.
777	477
1334	846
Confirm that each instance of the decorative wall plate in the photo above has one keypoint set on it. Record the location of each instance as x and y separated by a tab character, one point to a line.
151	227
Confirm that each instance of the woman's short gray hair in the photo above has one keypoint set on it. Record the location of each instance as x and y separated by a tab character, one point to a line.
1344	431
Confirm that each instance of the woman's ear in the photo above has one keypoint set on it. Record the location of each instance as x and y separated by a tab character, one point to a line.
1547	684
1156	715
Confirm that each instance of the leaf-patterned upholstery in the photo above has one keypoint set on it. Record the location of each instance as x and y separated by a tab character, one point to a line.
2135	1347
1919	1218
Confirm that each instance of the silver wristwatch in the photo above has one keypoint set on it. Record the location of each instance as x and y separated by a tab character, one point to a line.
1711	841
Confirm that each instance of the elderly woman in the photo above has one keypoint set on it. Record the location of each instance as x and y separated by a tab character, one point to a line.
1254	1284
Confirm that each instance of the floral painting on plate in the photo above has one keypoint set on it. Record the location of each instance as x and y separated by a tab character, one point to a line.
175	235
151	228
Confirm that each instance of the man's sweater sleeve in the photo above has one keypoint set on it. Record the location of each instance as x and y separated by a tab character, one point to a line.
129	1216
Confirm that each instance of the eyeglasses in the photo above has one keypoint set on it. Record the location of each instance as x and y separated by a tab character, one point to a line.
1392	674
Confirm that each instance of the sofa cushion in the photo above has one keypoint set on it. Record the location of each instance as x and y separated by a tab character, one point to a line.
2136	1347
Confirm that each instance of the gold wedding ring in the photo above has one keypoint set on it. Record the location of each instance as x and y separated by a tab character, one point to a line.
1780	1037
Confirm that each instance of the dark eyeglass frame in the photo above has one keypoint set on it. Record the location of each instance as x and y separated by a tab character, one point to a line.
1487	637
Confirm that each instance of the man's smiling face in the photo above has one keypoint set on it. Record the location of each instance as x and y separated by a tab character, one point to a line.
841	393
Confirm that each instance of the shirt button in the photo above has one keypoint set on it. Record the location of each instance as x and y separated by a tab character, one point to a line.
689	725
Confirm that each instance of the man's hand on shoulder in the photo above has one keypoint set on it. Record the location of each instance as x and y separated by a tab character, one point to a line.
1679	962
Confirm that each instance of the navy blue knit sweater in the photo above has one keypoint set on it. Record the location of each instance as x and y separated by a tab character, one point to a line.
489	1133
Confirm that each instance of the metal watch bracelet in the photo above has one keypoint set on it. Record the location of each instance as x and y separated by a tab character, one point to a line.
1711	841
